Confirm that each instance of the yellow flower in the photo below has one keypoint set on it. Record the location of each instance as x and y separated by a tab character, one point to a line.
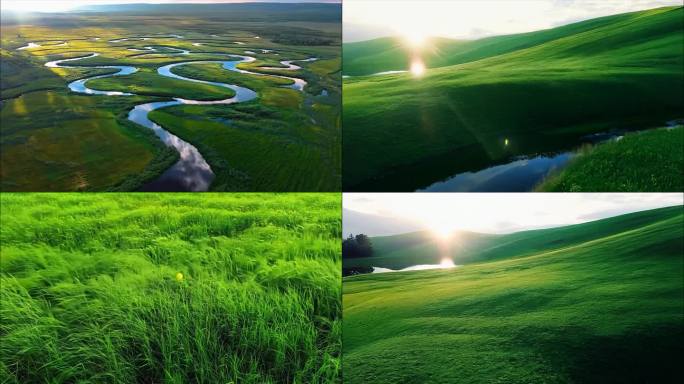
179	276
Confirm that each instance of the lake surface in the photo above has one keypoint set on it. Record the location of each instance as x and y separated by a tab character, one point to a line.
419	267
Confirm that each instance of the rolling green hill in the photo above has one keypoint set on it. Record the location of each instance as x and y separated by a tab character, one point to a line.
405	250
607	308
391	53
486	101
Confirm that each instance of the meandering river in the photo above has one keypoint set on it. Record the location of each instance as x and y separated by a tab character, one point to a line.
191	172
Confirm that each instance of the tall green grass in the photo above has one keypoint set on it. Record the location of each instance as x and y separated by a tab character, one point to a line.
647	161
170	288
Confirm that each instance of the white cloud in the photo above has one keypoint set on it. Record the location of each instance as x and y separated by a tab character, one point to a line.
468	19
504	212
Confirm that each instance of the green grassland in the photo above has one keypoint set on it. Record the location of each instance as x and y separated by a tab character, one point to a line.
424	247
607	308
483	102
242	141
170	288
648	161
148	82
56	145
53	141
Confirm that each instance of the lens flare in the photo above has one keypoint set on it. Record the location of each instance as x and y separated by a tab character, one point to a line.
417	67
443	233
415	39
447	263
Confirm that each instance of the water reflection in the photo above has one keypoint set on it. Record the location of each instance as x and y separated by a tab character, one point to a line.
29	46
79	86
419	267
521	175
191	172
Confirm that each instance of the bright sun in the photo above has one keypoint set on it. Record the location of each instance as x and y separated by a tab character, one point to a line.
417	67
444	232
415	39
447	263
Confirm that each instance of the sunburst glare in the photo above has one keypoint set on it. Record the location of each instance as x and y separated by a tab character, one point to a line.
417	67
415	39
447	263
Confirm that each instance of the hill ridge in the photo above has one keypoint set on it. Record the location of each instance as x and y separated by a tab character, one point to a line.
422	247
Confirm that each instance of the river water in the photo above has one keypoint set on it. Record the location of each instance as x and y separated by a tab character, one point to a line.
191	172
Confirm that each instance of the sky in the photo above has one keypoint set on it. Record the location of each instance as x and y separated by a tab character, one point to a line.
492	212
66	5
470	19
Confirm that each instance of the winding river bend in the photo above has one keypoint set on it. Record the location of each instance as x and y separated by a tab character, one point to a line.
191	172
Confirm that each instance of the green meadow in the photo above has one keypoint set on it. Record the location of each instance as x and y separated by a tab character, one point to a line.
481	103
646	161
599	302
170	288
53	139
279	140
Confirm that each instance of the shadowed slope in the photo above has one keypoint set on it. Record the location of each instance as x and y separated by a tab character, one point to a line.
404	133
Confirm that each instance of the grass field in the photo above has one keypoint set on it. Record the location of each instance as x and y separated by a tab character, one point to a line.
649	161
283	124
172	288
483	102
37	154
594	303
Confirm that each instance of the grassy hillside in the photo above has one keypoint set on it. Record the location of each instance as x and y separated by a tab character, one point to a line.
401	251
608	310
170	288
550	89
389	53
648	161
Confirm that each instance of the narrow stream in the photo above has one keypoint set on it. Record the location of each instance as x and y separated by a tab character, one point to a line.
520	175
524	173
191	172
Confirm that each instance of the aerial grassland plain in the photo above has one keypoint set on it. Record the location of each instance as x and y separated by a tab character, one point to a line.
485	102
170	288
54	139
593	303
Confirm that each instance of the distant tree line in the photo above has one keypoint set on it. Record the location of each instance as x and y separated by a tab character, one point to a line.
352	271
303	41
357	246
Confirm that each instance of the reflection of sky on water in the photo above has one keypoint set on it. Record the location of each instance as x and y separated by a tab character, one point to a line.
79	86
191	172
517	176
419	267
